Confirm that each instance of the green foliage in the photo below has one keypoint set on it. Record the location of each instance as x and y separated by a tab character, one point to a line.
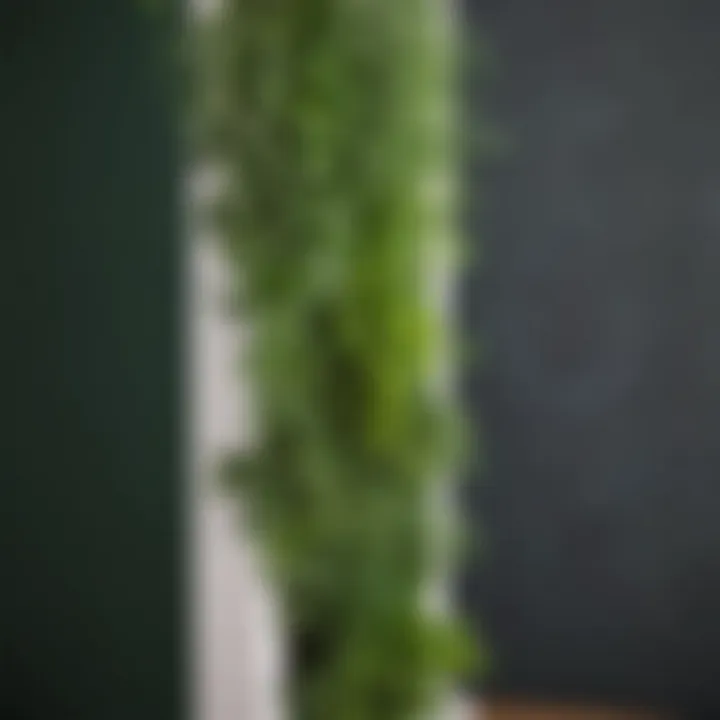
333	119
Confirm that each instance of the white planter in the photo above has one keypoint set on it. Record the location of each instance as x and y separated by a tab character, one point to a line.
236	641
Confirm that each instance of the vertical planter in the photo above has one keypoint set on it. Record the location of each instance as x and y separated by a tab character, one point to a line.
333	121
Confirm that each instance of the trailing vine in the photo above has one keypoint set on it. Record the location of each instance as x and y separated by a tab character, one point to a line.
333	120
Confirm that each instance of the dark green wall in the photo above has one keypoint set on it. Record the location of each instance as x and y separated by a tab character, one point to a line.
90	587
599	304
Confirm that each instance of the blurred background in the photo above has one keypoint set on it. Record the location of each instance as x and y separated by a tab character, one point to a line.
596	305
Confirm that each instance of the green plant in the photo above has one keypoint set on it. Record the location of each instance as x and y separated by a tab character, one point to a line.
334	120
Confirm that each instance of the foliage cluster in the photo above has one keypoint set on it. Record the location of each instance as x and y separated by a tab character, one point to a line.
334	122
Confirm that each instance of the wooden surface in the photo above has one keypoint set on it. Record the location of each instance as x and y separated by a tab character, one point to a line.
508	710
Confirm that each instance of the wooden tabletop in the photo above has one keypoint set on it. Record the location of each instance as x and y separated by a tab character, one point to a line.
509	710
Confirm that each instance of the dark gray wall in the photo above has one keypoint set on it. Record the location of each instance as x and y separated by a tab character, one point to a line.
598	304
